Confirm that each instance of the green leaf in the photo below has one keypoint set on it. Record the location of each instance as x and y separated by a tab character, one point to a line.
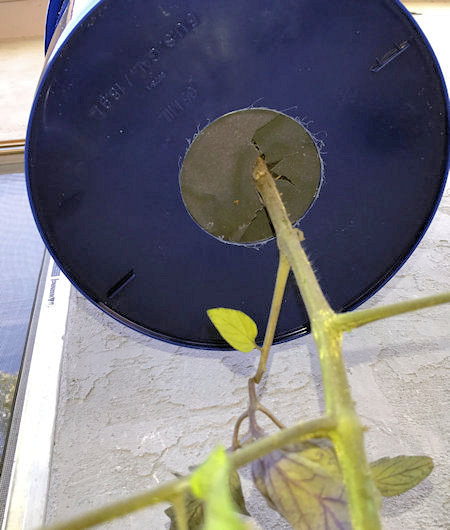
238	329
195	507
210	482
393	476
237	493
194	513
304	486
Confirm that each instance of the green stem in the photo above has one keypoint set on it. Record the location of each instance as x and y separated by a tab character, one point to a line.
252	408
318	428
235	444
355	319
277	299
273	418
250	413
165	493
179	506
348	435
348	438
289	244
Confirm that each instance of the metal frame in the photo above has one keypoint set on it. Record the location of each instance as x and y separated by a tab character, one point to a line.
30	458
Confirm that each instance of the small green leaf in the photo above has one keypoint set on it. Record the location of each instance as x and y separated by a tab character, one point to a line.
393	476
238	329
210	483
237	493
304	486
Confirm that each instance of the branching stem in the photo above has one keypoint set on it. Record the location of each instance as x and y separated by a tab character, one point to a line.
355	319
250	413
348	435
317	428
289	244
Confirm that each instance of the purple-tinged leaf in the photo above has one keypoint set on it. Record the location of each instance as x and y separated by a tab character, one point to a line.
304	486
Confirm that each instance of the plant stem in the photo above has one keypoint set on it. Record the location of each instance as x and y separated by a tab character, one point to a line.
277	299
255	430
273	418
348	435
250	413
289	244
355	319
235	441
318	428
179	506
165	493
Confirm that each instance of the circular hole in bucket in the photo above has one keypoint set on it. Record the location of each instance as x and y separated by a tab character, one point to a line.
216	176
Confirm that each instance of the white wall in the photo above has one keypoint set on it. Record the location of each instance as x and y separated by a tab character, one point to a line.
21	63
22	18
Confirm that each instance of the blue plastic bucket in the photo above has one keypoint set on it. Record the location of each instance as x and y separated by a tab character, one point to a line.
127	83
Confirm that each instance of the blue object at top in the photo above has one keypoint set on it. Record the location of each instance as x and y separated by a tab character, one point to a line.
54	12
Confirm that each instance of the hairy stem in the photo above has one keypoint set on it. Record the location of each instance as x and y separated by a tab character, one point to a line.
318	428
355	319
348	435
289	243
280	285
